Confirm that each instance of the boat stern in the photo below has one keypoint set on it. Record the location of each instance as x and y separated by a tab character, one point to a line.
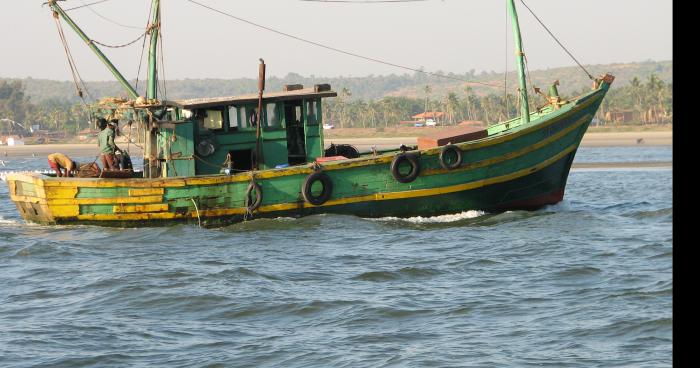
28	193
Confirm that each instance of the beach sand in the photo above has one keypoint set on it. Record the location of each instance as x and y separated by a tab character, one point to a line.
589	140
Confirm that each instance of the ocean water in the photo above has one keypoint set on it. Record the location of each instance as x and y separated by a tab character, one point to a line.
584	283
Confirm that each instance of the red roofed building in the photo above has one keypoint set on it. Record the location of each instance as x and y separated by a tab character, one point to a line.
435	115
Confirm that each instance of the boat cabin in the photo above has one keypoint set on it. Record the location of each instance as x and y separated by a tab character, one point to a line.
220	135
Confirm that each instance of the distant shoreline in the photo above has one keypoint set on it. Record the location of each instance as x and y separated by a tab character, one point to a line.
618	139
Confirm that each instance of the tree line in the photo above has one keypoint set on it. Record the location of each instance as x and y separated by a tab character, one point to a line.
647	101
639	102
54	114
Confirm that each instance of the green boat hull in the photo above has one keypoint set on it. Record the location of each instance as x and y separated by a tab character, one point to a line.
518	166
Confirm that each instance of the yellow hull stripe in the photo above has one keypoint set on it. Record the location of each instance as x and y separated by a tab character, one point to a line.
368	198
273	173
114	201
510	155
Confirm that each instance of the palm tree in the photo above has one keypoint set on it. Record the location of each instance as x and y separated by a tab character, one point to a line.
637	94
427	91
341	105
451	106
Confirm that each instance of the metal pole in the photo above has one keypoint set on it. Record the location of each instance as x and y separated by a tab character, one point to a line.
261	89
520	56
154	29
129	89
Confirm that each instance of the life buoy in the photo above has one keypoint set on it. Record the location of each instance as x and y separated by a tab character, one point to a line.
325	193
446	154
412	159
250	203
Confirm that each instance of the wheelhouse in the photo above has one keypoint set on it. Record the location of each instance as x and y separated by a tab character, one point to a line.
220	135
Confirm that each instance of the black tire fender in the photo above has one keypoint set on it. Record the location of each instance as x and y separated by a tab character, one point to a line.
415	167
327	188
445	151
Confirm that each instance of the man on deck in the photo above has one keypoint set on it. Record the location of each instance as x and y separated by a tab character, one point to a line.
62	164
108	147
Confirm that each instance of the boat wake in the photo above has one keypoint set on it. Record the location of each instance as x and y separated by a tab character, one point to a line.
436	219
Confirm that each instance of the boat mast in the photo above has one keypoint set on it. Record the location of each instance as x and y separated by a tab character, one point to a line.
154	29
524	107
57	10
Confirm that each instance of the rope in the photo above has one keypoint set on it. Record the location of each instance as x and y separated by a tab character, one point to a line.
143	47
555	39
77	80
119	46
337	49
365	1
84	5
197	209
215	165
505	73
105	18
164	93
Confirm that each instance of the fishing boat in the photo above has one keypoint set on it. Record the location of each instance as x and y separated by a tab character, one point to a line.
217	161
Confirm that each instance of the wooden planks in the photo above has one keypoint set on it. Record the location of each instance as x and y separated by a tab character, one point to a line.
454	135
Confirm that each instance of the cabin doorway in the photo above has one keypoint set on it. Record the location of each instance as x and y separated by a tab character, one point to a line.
241	160
296	146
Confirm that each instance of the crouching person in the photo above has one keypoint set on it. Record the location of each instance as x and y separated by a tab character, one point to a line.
62	164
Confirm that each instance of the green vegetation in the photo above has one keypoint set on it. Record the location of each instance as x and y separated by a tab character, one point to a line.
641	94
54	114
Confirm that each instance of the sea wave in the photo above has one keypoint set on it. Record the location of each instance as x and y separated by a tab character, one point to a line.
436	219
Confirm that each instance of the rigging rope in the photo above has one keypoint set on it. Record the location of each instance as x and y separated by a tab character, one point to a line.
336	49
71	62
120	46
365	1
161	58
105	18
555	39
505	72
84	5
143	47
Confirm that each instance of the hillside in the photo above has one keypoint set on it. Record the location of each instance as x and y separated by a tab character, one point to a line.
363	88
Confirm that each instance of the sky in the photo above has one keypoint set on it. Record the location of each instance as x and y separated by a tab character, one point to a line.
436	35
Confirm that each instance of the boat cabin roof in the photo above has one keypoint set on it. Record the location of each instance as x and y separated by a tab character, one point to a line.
318	91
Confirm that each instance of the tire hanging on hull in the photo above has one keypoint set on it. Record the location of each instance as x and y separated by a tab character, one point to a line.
325	194
445	154
412	160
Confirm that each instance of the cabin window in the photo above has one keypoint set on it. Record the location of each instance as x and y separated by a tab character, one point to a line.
311	112
233	119
213	119
247	116
252	116
273	116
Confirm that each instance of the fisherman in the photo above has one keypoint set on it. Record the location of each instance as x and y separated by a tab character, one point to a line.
62	164
107	146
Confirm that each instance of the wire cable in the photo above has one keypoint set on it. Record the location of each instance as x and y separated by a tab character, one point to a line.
85	5
555	39
365	1
337	49
105	18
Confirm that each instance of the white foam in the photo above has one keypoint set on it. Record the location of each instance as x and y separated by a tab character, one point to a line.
5	221
437	219
4	174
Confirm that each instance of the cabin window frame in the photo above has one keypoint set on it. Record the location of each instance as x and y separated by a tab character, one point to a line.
279	112
242	110
230	126
205	111
316	102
